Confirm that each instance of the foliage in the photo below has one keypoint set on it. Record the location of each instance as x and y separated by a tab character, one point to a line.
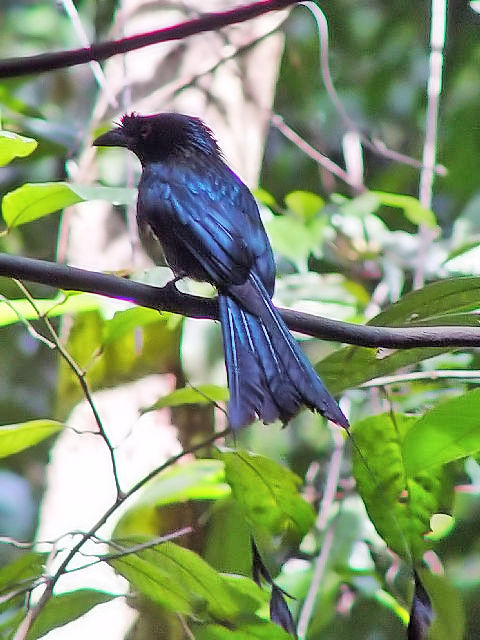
183	539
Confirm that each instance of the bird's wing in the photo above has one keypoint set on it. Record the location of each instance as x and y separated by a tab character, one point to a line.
210	214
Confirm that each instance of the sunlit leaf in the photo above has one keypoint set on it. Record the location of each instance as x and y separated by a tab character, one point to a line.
65	608
413	210
265	197
267	492
17	437
130	319
13	145
24	570
449	431
304	203
292	238
32	201
203	394
12	311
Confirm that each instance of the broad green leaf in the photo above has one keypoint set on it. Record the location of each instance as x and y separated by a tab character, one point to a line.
227	522
17	437
451	430
294	239
32	201
203	394
202	479
65	608
181	581
154	580
432	303
12	145
304	203
267	493
399	504
22	571
352	366
12	311
413	210
130	319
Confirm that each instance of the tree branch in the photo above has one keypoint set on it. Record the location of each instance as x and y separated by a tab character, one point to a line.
170	299
14	67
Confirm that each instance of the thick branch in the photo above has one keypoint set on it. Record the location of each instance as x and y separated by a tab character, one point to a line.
12	67
170	299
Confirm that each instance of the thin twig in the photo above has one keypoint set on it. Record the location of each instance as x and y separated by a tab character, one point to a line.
333	476
81	379
14	67
435	374
128	551
376	146
34	612
434	88
97	71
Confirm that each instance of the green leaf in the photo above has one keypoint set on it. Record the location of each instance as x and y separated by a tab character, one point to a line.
32	201
13	146
432	303
260	630
227	522
198	480
130	319
152	349
154	580
352	366
295	240
413	210
304	203
179	580
17	437
23	571
53	307
265	197
65	608
267	493
203	394
451	430
399	504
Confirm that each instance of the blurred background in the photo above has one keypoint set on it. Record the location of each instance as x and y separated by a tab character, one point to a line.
256	84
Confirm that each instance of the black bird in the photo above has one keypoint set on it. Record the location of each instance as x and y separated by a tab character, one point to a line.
209	228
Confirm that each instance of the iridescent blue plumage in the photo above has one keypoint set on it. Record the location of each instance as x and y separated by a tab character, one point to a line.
209	227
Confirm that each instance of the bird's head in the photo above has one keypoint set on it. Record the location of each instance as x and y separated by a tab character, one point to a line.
160	137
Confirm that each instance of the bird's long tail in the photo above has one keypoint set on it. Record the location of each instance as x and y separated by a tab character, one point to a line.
268	374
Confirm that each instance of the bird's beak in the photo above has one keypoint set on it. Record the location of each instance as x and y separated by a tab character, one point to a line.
113	138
